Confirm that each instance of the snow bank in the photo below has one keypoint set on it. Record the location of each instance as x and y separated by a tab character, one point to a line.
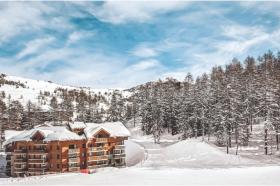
134	153
200	154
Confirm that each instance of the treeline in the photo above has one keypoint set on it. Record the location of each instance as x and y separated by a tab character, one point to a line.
224	103
60	106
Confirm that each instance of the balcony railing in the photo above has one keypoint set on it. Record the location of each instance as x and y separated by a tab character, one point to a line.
103	164
98	158
118	156
20	151
73	169
20	160
120	147
19	169
96	149
73	151
37	169
37	161
118	151
101	140
73	160
37	151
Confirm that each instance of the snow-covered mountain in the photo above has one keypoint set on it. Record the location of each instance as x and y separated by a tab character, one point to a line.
24	90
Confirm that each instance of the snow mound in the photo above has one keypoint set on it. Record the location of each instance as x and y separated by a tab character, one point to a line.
197	153
134	153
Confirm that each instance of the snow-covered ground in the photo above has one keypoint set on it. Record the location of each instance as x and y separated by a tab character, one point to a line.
172	162
186	162
168	176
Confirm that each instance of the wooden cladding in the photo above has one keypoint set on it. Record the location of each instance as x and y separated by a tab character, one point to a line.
36	158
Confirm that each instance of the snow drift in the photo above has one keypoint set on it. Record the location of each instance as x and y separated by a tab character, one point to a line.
195	153
134	153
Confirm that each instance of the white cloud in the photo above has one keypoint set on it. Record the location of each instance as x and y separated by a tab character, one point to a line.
118	12
78	35
243	38
32	47
144	51
146	64
20	17
236	31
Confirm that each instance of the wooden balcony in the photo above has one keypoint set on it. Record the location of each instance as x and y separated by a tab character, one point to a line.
37	151
118	151
119	147
73	169
20	160
101	140
73	160
19	151
98	158
97	149
20	169
119	156
37	161
105	164
73	151
37	169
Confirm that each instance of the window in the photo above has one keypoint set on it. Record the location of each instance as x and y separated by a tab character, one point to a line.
57	147
57	156
84	145
72	146
57	166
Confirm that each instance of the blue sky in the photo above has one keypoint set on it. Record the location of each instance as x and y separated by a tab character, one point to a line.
122	44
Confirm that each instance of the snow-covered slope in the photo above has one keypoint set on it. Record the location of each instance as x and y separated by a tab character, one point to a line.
201	154
32	89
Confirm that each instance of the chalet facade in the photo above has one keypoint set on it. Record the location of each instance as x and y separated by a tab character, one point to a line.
46	150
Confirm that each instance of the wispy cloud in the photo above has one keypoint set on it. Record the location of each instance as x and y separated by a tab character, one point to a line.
134	11
78	35
144	51
33	47
122	44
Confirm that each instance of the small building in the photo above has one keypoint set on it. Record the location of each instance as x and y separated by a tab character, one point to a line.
53	149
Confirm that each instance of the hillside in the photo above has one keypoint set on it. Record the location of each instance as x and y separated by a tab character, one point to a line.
23	98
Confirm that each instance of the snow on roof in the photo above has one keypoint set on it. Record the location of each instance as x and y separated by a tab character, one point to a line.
77	125
116	129
11	133
56	133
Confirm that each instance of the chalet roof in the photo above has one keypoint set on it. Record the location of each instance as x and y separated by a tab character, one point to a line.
55	133
115	129
61	133
77	125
